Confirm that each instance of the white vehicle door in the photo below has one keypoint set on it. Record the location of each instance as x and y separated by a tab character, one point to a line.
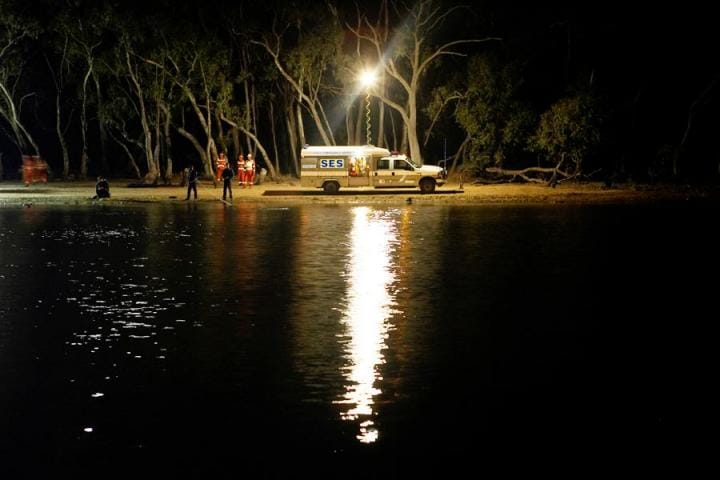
383	176
394	172
402	173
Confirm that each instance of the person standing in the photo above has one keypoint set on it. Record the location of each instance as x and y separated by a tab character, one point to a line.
240	168
192	182
249	177
222	164
227	176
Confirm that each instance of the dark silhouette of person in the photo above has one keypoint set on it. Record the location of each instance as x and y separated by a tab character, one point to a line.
102	188
227	176
192	182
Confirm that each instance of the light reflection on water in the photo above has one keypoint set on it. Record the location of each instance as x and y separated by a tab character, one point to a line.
128	313
129	289
119	301
366	314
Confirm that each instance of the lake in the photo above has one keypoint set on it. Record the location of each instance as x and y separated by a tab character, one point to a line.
360	341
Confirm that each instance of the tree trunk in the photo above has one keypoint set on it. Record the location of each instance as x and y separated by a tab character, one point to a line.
84	163
131	160
300	125
168	148
253	103
61	137
271	117
525	174
221	135
457	156
310	100
84	158
22	137
236	141
404	140
198	148
152	174
394	132
381	125
247	112
359	123
258	145
292	136
101	125
158	136
411	132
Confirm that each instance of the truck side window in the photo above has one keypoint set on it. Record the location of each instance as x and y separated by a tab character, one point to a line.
383	164
402	165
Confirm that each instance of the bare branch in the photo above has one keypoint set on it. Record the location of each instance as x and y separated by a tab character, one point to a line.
444	49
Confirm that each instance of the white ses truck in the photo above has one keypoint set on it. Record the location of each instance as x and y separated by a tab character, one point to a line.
333	167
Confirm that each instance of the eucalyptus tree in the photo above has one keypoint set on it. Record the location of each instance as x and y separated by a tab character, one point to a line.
304	45
405	56
250	89
118	114
357	64
163	102
568	132
148	64
494	121
196	66
133	78
292	112
16	36
704	98
55	47
86	28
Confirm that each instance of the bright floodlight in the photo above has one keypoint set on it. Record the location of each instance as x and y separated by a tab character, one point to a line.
367	78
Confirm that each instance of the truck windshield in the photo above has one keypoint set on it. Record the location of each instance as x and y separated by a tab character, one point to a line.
414	164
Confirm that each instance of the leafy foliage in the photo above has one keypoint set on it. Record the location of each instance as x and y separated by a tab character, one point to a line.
494	120
569	130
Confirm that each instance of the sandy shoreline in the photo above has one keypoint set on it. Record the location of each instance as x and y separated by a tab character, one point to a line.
81	192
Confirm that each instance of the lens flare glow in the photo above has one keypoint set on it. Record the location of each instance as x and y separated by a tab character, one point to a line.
368	78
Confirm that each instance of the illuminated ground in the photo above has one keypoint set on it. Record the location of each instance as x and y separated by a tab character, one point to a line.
78	192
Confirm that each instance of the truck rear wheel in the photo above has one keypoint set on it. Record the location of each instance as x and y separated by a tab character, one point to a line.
331	187
427	185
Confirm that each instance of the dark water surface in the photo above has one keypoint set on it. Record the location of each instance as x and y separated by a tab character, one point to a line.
352	341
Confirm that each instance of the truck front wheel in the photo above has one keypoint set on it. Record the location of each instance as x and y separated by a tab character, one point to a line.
331	187
427	185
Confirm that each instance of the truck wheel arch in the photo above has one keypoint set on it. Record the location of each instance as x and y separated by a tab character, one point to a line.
331	186
427	185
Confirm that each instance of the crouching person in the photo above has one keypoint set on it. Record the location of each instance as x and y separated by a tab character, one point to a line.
102	188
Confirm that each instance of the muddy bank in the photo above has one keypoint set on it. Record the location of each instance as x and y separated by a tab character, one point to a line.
122	191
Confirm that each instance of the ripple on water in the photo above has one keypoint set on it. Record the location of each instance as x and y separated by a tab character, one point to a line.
123	316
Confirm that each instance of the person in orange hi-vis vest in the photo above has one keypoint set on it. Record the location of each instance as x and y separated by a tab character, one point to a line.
249	171
221	165
240	169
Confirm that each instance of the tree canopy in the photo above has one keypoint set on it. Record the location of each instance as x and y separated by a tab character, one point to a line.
148	89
